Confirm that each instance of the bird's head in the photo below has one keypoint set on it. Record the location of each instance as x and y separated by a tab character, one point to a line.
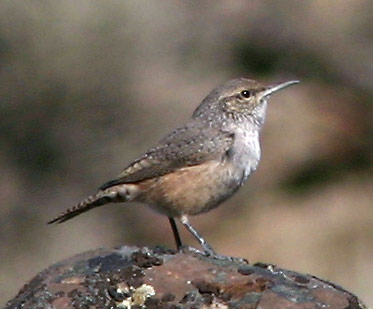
241	98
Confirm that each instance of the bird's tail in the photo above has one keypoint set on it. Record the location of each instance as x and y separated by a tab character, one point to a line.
120	193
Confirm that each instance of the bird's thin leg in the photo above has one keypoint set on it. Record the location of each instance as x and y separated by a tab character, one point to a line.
175	231
206	247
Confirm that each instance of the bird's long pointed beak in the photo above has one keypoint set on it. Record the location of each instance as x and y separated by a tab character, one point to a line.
273	88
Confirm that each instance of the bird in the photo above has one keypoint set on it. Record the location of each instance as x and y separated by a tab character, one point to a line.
199	164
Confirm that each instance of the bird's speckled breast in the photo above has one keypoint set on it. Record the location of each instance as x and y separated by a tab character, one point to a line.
245	153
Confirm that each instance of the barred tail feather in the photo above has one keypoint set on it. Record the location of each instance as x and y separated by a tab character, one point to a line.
102	197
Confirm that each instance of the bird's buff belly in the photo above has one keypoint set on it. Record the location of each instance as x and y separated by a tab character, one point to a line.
191	190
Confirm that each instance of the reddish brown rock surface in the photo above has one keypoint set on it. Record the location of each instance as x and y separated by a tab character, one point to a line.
131	277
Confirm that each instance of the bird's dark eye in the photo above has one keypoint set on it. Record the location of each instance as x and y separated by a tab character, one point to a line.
246	93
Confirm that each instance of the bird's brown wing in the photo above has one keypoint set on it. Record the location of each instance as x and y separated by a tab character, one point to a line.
187	146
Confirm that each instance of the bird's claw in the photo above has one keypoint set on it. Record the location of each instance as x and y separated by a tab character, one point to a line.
212	254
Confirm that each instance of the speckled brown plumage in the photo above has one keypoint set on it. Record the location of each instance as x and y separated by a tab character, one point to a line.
198	165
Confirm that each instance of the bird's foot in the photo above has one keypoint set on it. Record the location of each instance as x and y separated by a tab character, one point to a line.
189	249
230	259
212	254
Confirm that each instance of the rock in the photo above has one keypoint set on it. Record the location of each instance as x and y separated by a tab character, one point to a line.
132	277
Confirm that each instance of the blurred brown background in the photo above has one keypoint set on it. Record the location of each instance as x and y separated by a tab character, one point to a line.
86	86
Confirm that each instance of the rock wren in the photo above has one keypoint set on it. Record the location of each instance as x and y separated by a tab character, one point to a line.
199	165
